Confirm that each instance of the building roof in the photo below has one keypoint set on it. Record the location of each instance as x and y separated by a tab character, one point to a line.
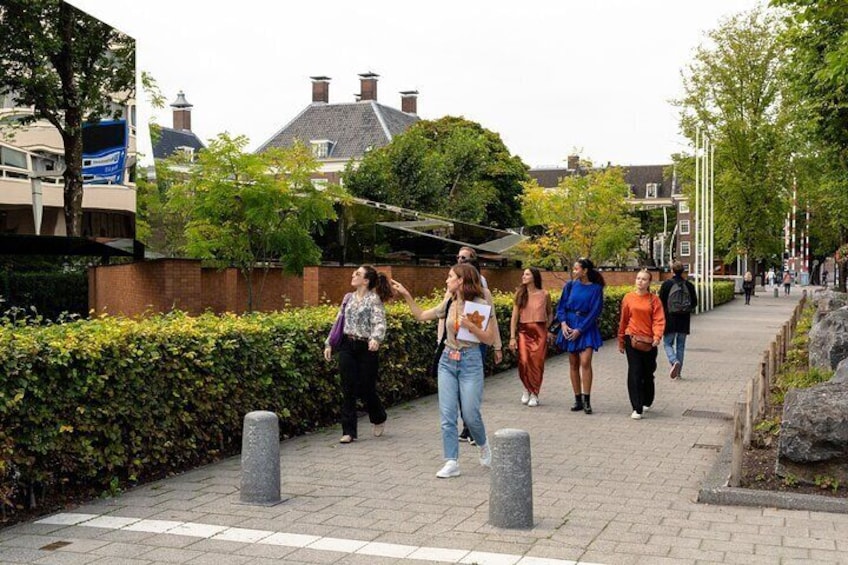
352	128
637	176
170	139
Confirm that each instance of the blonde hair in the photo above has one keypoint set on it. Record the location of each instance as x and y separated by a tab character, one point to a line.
647	272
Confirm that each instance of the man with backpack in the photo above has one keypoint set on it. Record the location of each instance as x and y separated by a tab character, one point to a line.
679	300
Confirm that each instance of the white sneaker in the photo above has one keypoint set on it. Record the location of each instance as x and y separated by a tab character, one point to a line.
486	455
525	397
645	409
450	469
636	416
533	402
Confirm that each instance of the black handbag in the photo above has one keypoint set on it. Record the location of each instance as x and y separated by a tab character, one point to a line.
440	348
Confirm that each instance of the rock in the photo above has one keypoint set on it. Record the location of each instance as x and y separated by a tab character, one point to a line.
814	433
829	340
827	301
841	375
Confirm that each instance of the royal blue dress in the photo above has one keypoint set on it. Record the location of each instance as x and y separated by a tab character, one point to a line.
580	306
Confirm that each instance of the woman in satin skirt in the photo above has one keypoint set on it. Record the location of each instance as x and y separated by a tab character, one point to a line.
528	330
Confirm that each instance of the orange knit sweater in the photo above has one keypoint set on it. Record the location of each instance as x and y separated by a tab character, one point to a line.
641	315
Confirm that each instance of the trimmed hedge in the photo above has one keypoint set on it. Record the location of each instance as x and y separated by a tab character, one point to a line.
51	293
107	401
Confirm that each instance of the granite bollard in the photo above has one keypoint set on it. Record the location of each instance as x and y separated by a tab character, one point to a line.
511	487
260	459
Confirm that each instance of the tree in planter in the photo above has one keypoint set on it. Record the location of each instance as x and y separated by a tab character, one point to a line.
586	215
71	68
244	209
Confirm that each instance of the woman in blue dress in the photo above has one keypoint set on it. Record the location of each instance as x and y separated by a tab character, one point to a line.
577	313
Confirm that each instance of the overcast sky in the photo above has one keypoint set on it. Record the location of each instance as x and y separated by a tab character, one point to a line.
553	77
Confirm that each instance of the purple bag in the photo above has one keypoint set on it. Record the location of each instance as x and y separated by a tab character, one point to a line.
337	331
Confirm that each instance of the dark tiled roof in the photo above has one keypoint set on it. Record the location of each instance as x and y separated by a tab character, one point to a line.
352	127
170	139
637	176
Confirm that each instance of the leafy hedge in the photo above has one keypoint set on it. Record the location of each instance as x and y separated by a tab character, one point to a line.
100	402
49	293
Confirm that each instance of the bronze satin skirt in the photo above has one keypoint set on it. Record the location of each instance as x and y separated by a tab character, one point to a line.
532	348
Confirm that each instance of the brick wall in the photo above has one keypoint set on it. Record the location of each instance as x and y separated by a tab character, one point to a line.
165	284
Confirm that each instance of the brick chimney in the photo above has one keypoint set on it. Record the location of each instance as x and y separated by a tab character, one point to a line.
368	86
573	162
320	89
182	112
409	102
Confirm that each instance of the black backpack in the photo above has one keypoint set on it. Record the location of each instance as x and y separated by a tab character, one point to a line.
679	299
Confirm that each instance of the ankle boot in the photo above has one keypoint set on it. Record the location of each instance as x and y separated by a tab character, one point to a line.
587	406
578	403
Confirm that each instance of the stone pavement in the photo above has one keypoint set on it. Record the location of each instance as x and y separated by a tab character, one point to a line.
607	489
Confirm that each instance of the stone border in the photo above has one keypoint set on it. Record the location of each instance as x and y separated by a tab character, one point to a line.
714	490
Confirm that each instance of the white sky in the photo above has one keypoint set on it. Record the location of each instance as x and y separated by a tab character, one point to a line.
553	77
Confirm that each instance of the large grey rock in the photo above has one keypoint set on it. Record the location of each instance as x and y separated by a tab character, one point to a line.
841	375
827	301
814	433
260	459
511	487
829	340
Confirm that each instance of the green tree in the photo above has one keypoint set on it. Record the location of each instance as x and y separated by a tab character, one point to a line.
732	92
69	67
245	208
451	167
585	215
817	70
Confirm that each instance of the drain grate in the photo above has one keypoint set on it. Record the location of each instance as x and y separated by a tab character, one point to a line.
706	446
709	414
55	545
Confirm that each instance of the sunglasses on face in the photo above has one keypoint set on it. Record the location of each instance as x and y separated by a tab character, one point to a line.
462	258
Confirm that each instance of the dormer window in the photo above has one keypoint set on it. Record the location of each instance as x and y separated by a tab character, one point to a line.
185	152
321	148
651	190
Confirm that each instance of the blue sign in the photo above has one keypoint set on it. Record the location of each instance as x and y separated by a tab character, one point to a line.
104	152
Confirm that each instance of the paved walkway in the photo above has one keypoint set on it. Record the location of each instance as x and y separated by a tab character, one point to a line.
607	489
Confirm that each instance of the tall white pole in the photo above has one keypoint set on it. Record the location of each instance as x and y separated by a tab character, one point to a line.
697	227
712	225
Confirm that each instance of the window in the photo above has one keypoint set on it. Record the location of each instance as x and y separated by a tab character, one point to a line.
684	227
12	158
319	184
185	152
651	190
683	208
685	250
321	148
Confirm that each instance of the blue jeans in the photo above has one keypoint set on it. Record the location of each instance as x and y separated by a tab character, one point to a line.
461	384
673	351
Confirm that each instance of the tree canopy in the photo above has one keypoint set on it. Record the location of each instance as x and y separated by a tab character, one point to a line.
733	94
451	167
585	215
247	208
68	66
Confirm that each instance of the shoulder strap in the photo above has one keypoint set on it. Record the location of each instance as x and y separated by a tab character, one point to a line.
445	331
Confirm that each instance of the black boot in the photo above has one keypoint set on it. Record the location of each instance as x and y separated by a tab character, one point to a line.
578	403
587	406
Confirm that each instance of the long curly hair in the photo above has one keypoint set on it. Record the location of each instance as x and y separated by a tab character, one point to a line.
522	295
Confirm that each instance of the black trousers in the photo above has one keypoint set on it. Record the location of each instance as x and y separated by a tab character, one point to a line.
640	375
358	368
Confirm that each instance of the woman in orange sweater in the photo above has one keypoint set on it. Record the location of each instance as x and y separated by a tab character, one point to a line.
528	333
642	320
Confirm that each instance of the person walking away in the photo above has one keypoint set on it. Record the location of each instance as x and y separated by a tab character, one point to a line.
578	310
528	331
642	320
748	287
787	282
770	278
364	332
824	278
460	373
679	299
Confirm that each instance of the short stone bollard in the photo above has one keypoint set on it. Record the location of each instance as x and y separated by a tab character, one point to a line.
511	487
260	459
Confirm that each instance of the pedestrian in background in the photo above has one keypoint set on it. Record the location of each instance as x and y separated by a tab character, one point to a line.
532	313
364	331
578	310
748	285
460	372
677	308
787	282
642	320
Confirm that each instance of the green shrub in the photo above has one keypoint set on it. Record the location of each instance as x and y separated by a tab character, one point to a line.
48	294
92	402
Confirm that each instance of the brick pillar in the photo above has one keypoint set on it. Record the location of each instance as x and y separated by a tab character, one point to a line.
311	291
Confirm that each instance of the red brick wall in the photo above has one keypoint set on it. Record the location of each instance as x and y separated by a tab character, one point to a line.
165	284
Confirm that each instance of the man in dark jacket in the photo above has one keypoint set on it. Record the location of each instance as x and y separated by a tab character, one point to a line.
679	300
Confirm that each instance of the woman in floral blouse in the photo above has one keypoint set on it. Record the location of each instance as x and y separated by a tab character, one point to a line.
364	331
